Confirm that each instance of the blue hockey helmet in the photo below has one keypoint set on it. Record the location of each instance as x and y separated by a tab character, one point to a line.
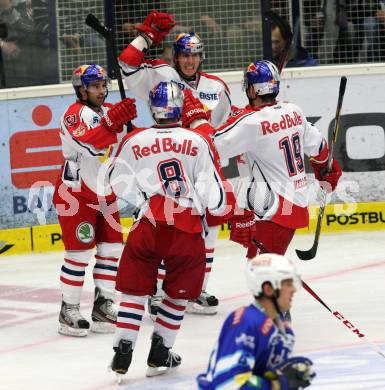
166	101
188	43
263	76
83	75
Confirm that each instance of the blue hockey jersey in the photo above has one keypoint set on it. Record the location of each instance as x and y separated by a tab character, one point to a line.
249	345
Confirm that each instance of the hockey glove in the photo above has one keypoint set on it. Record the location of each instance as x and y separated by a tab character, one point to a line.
156	26
243	228
118	115
192	109
293	374
328	180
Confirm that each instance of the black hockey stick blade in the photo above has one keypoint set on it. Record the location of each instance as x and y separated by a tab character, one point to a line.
309	254
94	23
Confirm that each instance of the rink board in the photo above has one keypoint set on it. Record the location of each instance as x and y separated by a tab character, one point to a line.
337	218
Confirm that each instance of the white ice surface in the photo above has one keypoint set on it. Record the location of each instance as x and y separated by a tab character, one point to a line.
348	274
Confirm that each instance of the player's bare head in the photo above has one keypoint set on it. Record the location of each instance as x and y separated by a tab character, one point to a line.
166	102
188	54
91	84
261	78
273	277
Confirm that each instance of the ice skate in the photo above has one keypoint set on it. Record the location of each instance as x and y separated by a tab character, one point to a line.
122	359
104	314
206	304
161	359
71	322
153	304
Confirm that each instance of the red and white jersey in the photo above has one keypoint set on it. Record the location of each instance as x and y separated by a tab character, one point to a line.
84	145
141	76
272	141
173	173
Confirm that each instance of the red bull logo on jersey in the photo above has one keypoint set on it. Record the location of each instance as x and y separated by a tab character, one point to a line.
165	145
286	122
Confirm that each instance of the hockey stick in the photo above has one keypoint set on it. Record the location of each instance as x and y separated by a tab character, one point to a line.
310	254
262	249
108	34
343	319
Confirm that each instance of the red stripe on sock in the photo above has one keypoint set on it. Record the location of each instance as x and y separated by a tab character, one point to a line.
127	326
209	250
167	325
132	305
105	277
161	277
73	262
173	305
207	269
106	258
71	282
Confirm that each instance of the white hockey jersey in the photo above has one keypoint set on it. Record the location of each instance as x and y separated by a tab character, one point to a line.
142	75
172	170
272	141
84	145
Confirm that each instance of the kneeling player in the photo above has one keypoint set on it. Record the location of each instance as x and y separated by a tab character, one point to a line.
254	347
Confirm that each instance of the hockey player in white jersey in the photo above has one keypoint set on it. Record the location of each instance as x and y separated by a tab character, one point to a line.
172	170
142	75
272	137
88	127
254	348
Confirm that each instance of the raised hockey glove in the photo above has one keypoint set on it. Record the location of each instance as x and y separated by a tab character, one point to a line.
328	180
294	374
119	114
192	109
243	228
156	26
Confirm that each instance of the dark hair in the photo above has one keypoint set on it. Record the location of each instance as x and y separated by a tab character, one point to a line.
269	97
284	27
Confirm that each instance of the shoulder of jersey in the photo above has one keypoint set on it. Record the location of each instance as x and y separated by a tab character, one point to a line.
135	131
74	108
202	132
238	114
213	77
71	118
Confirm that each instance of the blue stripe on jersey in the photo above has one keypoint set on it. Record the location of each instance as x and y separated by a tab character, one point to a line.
72	272
106	267
170	315
130	315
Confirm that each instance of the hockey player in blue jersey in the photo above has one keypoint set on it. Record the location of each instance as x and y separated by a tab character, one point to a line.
254	347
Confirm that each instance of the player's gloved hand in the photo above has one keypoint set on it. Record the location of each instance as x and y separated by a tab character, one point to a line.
156	26
293	374
119	114
243	228
328	180
192	109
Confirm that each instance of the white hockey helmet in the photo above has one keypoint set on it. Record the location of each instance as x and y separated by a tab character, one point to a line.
273	268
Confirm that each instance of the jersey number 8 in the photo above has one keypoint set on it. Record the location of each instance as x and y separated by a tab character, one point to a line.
172	177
